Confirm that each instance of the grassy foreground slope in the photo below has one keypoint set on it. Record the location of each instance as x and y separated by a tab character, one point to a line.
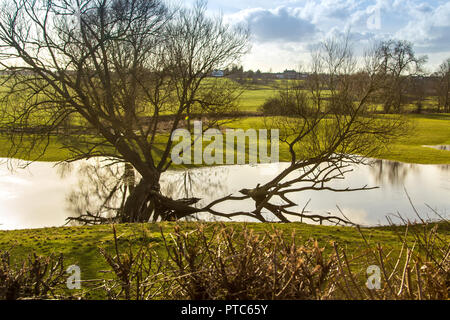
80	245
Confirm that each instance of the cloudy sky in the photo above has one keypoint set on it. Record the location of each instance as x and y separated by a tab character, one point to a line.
283	31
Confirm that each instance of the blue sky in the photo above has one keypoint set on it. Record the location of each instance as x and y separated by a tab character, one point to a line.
283	31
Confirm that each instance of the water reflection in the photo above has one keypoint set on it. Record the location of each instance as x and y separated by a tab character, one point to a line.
45	195
101	190
445	147
391	172
33	197
191	183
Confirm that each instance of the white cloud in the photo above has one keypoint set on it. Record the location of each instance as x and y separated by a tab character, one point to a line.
302	23
280	24
428	28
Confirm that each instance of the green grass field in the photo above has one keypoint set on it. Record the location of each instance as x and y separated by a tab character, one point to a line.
428	129
251	100
431	129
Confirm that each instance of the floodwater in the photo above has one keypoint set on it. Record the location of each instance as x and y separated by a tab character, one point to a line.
445	147
45	194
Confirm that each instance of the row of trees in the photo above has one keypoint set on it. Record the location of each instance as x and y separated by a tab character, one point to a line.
128	73
408	83
402	74
237	74
442	85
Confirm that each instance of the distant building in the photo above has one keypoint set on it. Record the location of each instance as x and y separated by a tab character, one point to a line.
217	73
302	75
290	74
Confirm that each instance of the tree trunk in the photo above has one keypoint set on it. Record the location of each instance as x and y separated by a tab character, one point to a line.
140	204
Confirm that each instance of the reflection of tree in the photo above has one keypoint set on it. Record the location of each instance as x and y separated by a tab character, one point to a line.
102	190
391	172
185	184
104	185
207	182
63	169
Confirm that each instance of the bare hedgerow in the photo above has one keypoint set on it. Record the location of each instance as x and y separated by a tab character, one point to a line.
37	277
218	261
419	271
137	272
227	263
215	261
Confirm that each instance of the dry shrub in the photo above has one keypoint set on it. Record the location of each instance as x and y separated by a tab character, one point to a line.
214	261
136	272
219	262
421	270
290	102
225	263
37	277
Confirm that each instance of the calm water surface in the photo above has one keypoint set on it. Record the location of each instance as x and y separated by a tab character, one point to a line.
42	195
444	147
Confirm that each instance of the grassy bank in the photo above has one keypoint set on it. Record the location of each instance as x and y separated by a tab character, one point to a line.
80	245
226	261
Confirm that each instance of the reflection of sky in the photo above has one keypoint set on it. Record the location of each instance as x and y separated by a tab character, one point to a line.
426	184
37	196
32	197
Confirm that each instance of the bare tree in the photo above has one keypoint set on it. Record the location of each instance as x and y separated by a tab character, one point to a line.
129	73
443	86
417	92
115	79
399	64
335	129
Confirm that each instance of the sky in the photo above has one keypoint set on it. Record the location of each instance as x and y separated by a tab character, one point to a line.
284	31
